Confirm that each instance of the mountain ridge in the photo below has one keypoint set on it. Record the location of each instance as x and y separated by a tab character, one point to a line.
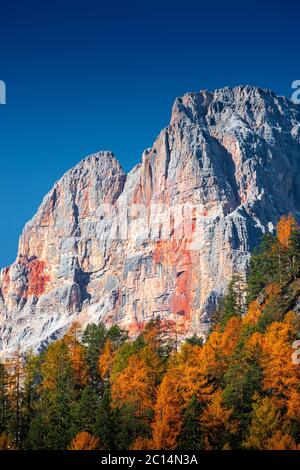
165	238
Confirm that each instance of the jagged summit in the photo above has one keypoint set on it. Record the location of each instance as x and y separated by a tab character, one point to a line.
102	164
245	102
165	238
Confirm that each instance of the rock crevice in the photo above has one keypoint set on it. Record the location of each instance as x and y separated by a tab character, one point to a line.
165	238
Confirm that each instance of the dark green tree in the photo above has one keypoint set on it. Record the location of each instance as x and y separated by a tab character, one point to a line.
195	340
242	380
117	336
232	305
31	386
294	254
190	436
84	411
263	267
52	426
93	339
105	423
128	427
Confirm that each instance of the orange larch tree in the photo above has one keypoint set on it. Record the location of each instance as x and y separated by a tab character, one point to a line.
168	411
281	376
106	359
84	441
184	380
285	228
219	348
134	386
77	354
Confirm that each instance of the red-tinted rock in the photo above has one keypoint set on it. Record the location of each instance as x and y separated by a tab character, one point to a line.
164	239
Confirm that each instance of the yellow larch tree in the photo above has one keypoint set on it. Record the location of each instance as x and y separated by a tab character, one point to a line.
265	422
216	423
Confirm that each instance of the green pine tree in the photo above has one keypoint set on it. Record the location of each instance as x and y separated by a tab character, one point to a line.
195	340
84	411
105	423
93	339
232	305
263	267
242	380
190	436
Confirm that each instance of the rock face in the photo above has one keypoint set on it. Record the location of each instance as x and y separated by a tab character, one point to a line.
165	238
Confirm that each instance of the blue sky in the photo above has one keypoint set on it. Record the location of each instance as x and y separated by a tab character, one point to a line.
88	75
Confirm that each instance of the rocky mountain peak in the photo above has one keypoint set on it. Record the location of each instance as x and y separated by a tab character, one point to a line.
252	104
165	238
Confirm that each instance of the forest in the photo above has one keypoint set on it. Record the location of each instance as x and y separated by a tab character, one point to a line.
238	389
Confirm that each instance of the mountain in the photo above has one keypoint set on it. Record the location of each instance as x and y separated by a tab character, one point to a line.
165	238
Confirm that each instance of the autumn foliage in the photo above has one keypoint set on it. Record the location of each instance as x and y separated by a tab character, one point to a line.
84	441
239	389
285	228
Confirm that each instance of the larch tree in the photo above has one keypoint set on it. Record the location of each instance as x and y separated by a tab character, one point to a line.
77	354
169	410
280	375
106	359
84	441
282	441
216	423
135	387
265	422
285	227
14	366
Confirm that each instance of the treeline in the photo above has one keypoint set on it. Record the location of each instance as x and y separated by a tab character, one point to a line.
240	389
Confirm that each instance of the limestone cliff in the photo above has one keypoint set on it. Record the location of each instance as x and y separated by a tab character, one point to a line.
165	238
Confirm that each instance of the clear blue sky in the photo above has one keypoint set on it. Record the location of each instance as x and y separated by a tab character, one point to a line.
89	75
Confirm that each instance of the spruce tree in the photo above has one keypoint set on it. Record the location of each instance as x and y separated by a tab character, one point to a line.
195	340
263	267
59	432
294	254
243	380
84	411
93	339
117	336
190	437
232	305
105	423
52	426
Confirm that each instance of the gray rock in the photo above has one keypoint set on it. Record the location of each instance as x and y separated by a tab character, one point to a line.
166	238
